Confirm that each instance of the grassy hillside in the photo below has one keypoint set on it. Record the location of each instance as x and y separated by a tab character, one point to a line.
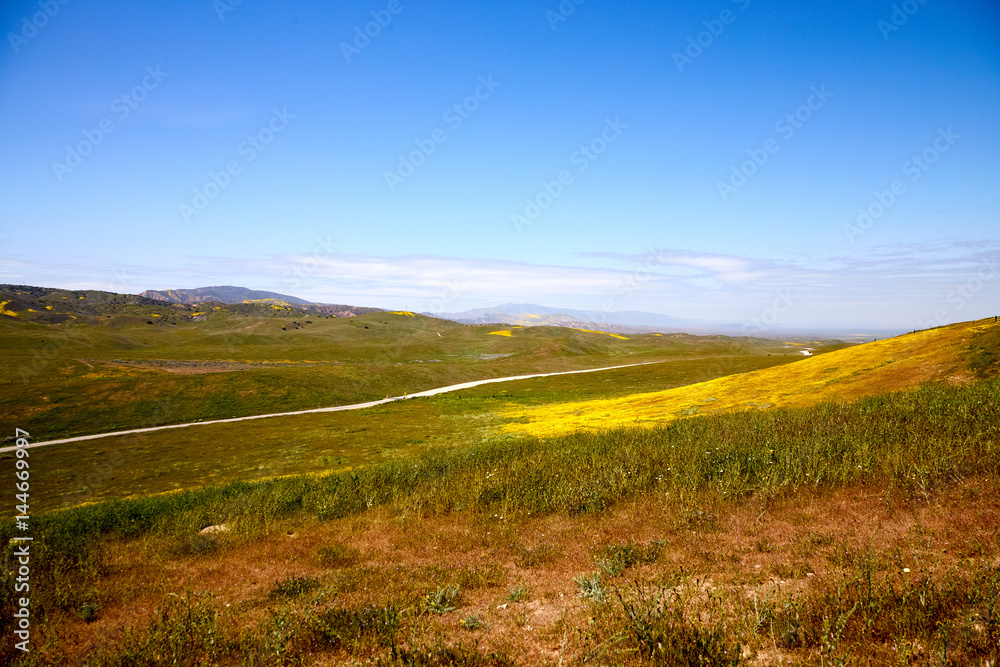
853	521
941	355
70	473
847	532
98	362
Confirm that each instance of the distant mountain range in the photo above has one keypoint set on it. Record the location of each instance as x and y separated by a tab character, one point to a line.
230	294
629	321
51	305
530	314
634	321
223	294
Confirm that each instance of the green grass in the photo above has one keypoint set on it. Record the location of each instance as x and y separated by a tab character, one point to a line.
442	600
983	353
294	587
108	371
912	440
145	464
105	374
613	559
435	458
916	439
660	630
906	443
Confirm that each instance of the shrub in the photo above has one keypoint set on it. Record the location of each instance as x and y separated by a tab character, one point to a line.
472	622
613	559
294	587
519	593
659	631
338	555
442	601
445	656
88	612
590	587
348	627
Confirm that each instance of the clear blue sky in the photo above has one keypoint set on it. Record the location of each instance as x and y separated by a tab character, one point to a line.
651	217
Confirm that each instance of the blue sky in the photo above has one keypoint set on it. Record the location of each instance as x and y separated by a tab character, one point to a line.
697	159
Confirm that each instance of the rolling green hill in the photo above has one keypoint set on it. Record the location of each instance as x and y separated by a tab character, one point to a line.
419	532
735	538
951	354
89	362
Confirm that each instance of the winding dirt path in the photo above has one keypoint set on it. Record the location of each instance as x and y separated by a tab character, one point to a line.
336	408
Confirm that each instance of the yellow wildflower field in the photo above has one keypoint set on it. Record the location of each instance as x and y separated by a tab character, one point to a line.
863	370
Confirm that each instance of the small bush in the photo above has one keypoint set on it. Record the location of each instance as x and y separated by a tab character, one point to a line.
88	612
590	587
613	559
294	587
445	656
519	593
338	555
349	627
442	601
472	622
535	556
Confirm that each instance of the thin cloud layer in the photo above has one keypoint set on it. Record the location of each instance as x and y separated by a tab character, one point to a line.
884	286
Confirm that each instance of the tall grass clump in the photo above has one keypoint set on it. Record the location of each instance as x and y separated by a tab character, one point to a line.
443	655
663	628
952	616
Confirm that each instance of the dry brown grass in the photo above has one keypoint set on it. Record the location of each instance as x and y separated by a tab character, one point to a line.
803	543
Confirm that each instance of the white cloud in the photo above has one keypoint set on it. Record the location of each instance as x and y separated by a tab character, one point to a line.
892	286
